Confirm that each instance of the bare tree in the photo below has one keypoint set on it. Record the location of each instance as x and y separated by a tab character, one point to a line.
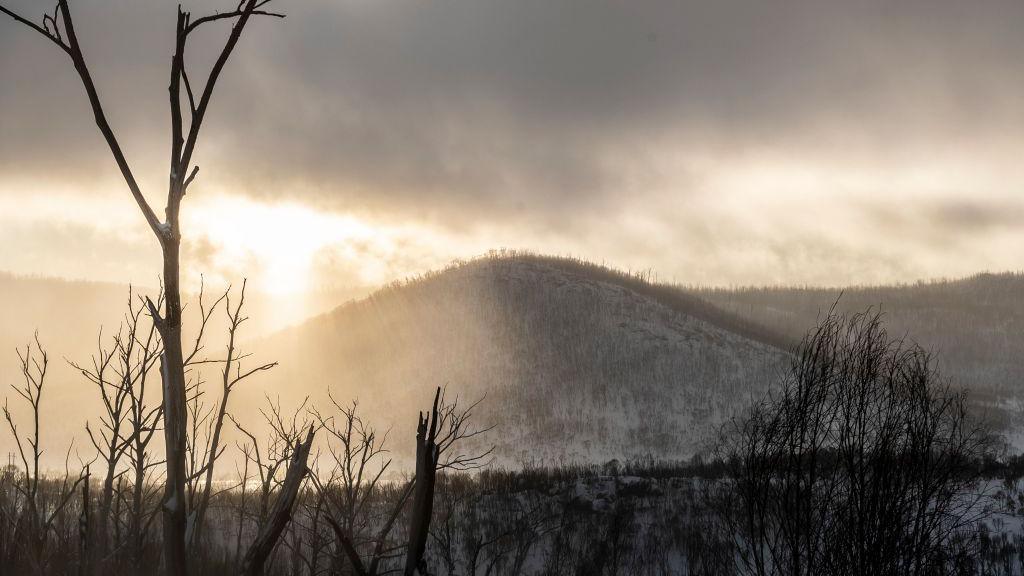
59	28
350	486
231	375
311	545
119	370
108	439
289	446
864	462
138	353
85	550
200	459
438	430
281	514
33	370
364	536
38	513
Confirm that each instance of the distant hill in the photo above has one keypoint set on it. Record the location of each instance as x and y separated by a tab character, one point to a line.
973	326
577	362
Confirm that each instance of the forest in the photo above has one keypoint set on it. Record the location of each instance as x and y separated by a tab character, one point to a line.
862	459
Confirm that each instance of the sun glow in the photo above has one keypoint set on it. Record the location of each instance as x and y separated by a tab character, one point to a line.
283	247
278	242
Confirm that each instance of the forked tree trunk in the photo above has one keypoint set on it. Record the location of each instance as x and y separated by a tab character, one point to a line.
423	498
281	513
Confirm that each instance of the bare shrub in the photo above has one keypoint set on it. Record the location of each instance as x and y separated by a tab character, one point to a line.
863	462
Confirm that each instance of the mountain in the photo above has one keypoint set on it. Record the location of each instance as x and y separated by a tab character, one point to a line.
973	326
574	361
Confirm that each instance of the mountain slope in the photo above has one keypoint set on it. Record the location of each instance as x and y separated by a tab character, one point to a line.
973	326
577	362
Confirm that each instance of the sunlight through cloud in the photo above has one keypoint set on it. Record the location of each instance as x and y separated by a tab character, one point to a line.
280	239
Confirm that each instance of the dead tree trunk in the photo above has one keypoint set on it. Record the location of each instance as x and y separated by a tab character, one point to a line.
281	514
84	550
173	374
427	454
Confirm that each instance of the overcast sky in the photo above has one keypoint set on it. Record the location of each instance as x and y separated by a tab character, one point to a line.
356	141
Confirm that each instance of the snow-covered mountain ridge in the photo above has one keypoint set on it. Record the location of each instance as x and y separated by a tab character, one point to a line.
575	362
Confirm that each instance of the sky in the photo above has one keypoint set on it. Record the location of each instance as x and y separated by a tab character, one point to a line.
360	141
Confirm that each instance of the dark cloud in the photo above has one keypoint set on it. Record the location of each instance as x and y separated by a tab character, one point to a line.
543	104
477	99
549	114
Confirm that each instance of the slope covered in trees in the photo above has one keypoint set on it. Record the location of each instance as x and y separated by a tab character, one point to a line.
973	326
576	362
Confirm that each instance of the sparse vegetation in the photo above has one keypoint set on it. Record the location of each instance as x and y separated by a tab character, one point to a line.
576	365
863	462
974	326
645	516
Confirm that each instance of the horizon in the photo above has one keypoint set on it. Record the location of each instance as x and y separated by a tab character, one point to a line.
653	277
277	312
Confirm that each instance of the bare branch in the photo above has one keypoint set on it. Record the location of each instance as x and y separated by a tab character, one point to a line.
52	35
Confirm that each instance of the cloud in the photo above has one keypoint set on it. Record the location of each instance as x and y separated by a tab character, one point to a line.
578	122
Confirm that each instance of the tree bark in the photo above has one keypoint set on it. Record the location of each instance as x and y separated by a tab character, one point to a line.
106	500
84	551
172	371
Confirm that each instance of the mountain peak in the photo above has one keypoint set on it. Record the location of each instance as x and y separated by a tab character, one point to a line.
577	361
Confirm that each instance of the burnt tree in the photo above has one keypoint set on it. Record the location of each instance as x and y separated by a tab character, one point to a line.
864	461
59	28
